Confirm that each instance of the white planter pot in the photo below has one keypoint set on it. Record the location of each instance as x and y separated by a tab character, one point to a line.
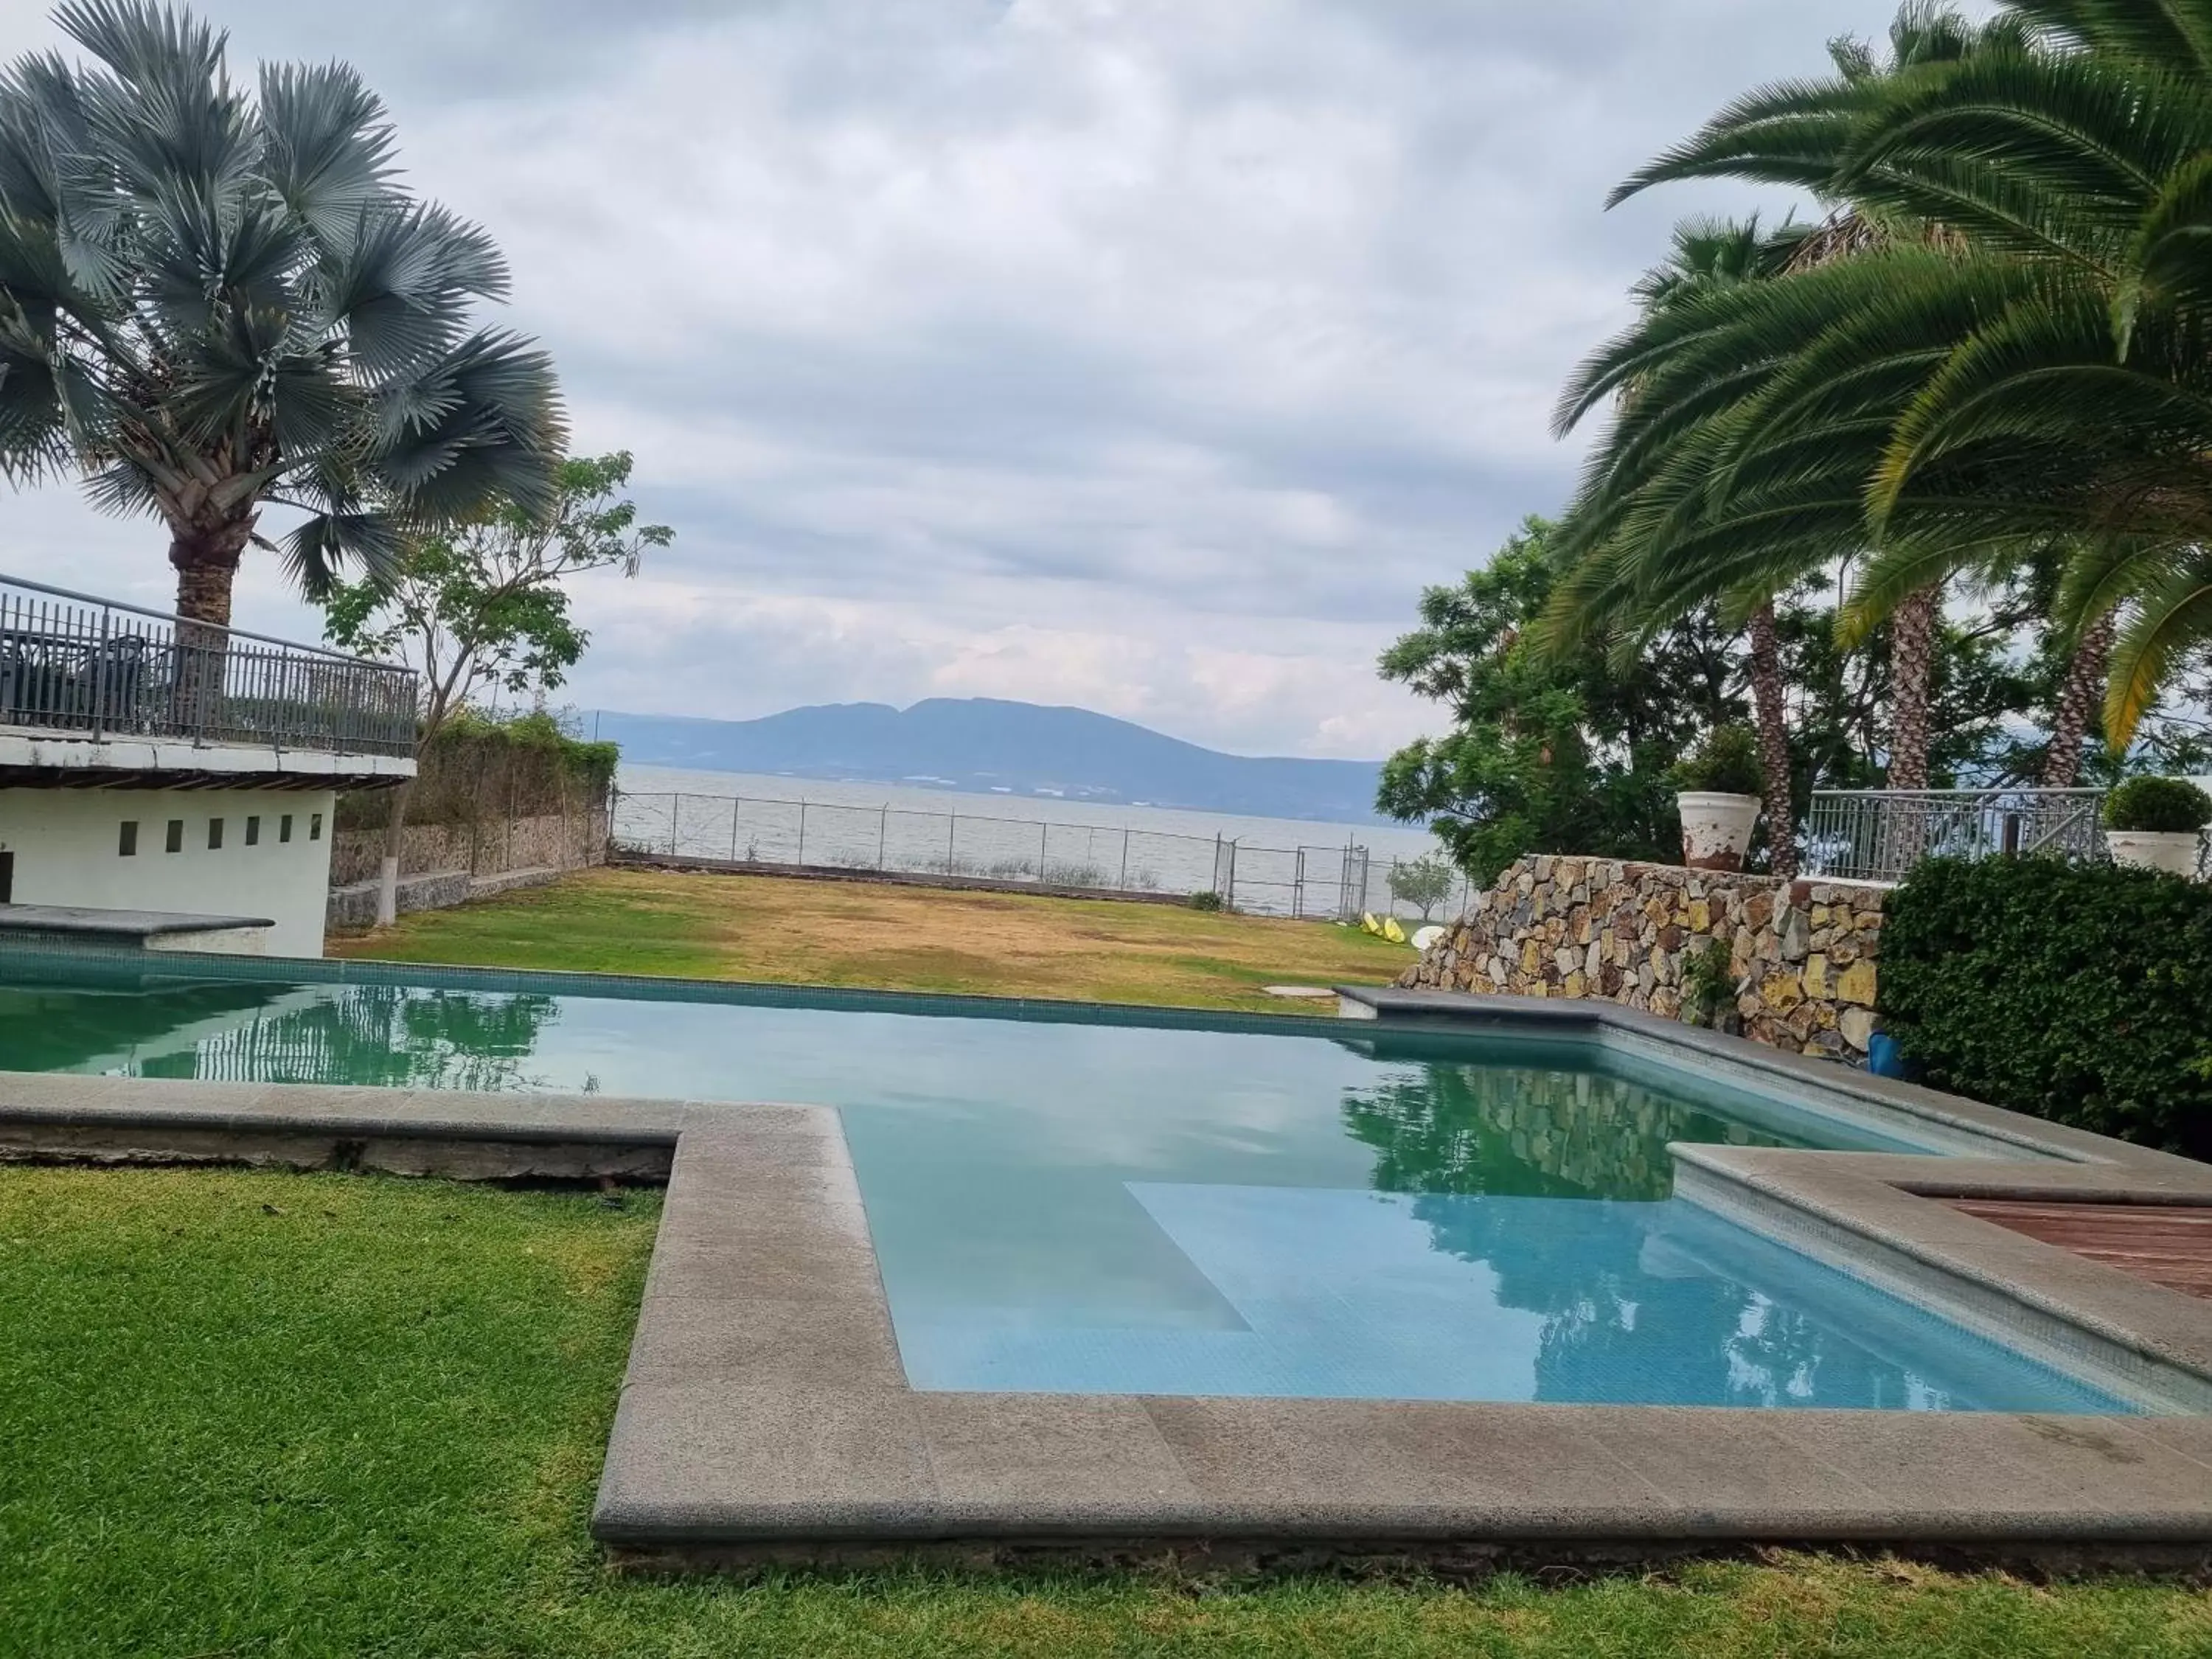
1715	828
2173	851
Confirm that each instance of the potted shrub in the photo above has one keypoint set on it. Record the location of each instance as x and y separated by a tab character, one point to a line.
1719	794
2154	823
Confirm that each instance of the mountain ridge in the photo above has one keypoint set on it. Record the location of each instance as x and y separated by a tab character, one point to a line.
993	744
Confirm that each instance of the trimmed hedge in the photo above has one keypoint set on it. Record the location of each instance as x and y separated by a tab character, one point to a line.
2163	806
2078	993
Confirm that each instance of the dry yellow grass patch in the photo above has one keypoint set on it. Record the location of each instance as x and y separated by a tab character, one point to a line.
782	930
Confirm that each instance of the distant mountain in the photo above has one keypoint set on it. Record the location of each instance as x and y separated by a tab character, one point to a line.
983	744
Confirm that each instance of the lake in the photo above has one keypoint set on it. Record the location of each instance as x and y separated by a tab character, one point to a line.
1283	867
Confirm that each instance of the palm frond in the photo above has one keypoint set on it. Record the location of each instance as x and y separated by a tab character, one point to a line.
327	143
2171	616
315	551
2163	32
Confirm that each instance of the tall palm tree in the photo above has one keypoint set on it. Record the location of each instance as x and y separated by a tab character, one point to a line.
1708	255
1800	133
2029	365
2083	406
214	302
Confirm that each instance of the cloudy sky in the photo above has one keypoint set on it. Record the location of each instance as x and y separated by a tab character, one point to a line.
1146	355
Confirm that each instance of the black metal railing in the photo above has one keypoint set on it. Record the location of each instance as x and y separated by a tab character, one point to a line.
88	667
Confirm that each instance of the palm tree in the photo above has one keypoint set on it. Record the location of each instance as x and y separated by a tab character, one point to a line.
1709	255
213	303
2083	406
1799	133
2013	353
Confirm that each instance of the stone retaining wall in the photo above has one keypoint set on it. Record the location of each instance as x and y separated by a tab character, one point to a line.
1801	954
554	841
447	864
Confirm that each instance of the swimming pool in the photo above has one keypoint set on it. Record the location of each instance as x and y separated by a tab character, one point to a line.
1091	1201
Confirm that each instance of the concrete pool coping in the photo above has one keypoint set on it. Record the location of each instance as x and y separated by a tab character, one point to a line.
765	1415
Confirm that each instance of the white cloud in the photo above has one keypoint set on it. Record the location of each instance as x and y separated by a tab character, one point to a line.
1135	353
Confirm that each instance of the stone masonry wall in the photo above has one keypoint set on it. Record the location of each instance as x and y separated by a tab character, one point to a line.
493	846
1801	954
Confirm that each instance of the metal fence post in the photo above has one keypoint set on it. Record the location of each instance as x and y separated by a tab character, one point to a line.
1125	858
883	832
736	805
675	812
99	679
802	832
951	829
1044	848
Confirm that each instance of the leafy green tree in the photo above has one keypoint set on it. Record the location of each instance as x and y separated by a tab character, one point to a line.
214	302
1547	755
485	604
1423	883
1552	753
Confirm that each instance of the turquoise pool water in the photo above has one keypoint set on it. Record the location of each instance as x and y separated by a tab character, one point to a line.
1081	1203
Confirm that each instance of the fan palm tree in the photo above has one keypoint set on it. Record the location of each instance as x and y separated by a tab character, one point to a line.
214	302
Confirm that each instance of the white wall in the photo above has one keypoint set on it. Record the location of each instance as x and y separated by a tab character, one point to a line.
66	842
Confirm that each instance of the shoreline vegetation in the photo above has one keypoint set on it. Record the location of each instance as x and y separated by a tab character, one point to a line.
860	935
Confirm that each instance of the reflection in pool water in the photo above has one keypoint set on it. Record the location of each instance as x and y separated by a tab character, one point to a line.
1067	1203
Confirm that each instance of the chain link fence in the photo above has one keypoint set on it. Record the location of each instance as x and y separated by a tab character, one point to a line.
1335	883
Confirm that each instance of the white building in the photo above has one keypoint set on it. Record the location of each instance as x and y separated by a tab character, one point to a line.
156	766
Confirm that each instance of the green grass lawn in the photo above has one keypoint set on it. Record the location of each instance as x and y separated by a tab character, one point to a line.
273	1415
774	930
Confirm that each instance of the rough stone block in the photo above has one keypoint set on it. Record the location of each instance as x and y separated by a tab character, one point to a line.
1856	985
1856	1027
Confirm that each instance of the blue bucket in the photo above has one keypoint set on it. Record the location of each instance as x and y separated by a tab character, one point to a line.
1886	1059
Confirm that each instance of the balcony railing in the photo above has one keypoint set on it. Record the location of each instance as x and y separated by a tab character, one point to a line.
87	667
1878	834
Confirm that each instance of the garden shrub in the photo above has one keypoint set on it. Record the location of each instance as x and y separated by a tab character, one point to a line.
482	770
2081	993
2158	806
1725	763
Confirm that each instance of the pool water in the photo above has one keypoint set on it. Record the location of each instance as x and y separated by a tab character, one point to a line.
1078	1203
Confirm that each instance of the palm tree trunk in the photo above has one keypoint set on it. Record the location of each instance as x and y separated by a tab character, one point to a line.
1773	742
2078	702
1911	675
206	571
206	564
